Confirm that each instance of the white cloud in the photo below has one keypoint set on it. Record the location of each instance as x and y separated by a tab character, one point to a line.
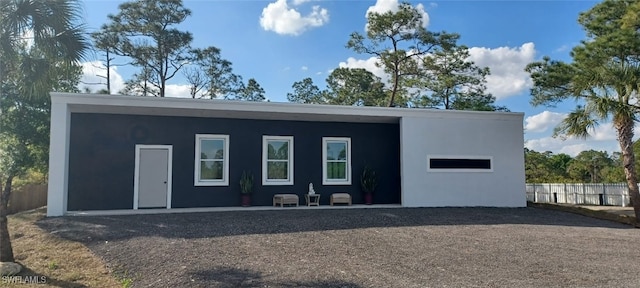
507	65
604	132
543	121
368	64
298	2
571	146
279	18
383	6
562	48
91	77
304	68
179	91
575	149
602	138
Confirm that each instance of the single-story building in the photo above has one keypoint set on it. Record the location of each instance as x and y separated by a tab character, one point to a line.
125	153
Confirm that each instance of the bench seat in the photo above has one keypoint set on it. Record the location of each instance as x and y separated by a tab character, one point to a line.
285	199
343	198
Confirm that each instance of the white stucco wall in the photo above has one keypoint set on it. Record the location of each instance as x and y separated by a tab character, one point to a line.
58	159
499	136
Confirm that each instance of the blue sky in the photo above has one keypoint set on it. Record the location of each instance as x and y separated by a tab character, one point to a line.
281	42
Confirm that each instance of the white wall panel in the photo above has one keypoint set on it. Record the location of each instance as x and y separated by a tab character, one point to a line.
497	136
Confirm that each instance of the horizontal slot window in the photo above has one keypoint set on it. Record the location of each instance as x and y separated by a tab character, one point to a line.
460	164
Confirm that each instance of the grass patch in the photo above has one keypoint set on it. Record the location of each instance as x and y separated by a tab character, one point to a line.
52	265
54	261
124	278
126	282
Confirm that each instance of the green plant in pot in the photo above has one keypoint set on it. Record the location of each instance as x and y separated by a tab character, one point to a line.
246	187
368	182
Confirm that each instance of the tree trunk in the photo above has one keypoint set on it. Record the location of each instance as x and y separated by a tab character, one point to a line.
108	73
6	251
624	128
394	91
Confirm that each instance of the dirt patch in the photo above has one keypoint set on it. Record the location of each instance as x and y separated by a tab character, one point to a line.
51	261
403	247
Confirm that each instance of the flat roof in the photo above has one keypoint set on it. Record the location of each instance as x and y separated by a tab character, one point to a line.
217	108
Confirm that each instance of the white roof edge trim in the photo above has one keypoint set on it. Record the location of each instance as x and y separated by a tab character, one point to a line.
82	99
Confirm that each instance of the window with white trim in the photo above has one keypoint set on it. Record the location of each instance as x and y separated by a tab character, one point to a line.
277	160
212	160
336	161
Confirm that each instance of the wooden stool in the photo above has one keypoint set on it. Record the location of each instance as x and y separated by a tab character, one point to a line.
343	198
283	199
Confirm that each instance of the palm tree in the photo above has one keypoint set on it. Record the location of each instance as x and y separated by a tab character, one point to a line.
48	26
612	99
35	37
604	78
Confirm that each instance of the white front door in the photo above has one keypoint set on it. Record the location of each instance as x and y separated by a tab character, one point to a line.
152	187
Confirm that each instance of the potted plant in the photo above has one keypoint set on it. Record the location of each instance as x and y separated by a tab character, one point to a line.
369	182
246	187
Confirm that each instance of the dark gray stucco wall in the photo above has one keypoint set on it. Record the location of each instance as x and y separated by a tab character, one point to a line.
102	152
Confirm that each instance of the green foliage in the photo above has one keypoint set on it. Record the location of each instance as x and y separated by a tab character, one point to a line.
541	168
28	74
125	279
306	92
211	170
345	86
246	182
277	159
354	86
52	265
57	34
24	121
54	25
31	176
604	73
146	32
398	39
251	92
213	75
451	81
604	77
25	107
126	282
587	167
426	69
106	42
368	180
337	170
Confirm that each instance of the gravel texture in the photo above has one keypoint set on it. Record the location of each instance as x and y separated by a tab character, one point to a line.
393	247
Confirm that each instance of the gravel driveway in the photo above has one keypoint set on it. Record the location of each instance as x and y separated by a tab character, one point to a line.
394	247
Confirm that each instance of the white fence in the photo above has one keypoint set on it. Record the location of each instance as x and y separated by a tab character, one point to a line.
612	194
